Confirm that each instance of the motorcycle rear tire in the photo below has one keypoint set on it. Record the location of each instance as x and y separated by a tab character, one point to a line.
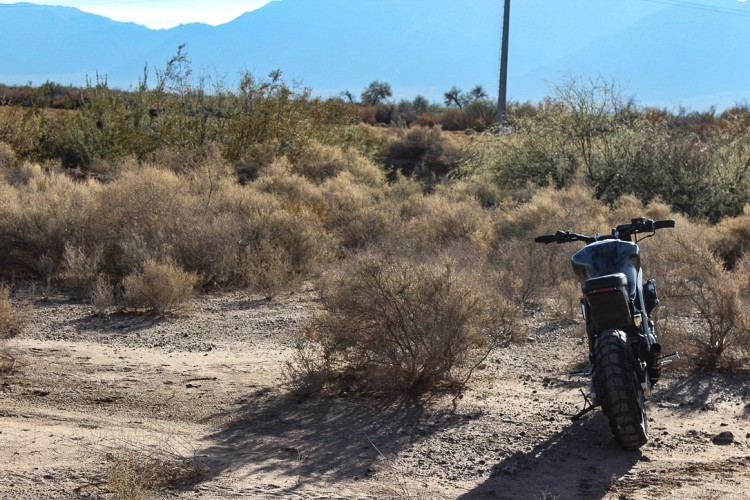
618	389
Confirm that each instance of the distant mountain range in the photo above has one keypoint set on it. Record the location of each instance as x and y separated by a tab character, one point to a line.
663	52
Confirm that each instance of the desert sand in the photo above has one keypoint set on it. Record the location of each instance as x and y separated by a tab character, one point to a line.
209	388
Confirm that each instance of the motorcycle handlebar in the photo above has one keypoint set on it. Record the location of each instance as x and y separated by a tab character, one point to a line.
661	224
563	237
623	231
545	238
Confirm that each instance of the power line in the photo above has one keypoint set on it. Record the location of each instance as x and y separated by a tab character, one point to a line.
703	7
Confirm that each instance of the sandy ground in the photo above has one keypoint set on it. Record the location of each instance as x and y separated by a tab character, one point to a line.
208	388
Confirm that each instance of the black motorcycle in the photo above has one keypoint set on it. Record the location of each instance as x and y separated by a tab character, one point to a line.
626	359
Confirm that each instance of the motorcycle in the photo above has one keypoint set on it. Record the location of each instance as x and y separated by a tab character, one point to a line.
625	357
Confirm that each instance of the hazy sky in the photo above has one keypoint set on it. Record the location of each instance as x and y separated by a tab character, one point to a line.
161	13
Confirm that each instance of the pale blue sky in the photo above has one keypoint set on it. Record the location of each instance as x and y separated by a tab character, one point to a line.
159	14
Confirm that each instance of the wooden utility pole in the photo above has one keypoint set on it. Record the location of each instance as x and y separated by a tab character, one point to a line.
501	101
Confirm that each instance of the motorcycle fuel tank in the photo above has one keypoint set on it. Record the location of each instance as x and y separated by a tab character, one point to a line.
608	257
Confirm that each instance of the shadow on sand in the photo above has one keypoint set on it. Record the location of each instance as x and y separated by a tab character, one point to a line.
579	462
699	391
306	441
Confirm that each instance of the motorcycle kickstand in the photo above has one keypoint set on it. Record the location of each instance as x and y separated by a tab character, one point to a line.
587	407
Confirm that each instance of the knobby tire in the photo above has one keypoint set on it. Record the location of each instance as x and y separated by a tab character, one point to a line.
618	389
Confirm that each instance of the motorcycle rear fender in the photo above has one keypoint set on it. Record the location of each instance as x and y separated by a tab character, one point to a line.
608	302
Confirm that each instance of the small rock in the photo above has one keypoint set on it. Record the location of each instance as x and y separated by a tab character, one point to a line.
725	437
644	459
666	404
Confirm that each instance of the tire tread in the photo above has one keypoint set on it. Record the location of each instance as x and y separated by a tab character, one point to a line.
618	391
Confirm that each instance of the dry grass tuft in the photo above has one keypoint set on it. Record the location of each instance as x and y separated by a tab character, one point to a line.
11	324
159	287
102	295
11	321
137	465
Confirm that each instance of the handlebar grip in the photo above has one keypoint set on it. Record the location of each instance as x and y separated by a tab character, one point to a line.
546	238
661	224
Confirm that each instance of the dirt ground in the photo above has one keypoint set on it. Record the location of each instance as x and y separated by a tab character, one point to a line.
208	389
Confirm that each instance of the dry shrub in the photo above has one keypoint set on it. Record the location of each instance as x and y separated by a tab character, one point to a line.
21	174
567	300
549	210
743	268
732	237
11	320
80	269
12	323
7	156
186	160
205	171
318	162
102	294
138	464
291	189
712	303
142	214
42	212
480	187
356	213
520	268
254	159
251	238
159	287
400	324
285	247
441	219
625	208
106	170
429	148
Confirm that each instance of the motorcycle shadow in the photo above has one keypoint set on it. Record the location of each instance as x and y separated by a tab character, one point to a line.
581	461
